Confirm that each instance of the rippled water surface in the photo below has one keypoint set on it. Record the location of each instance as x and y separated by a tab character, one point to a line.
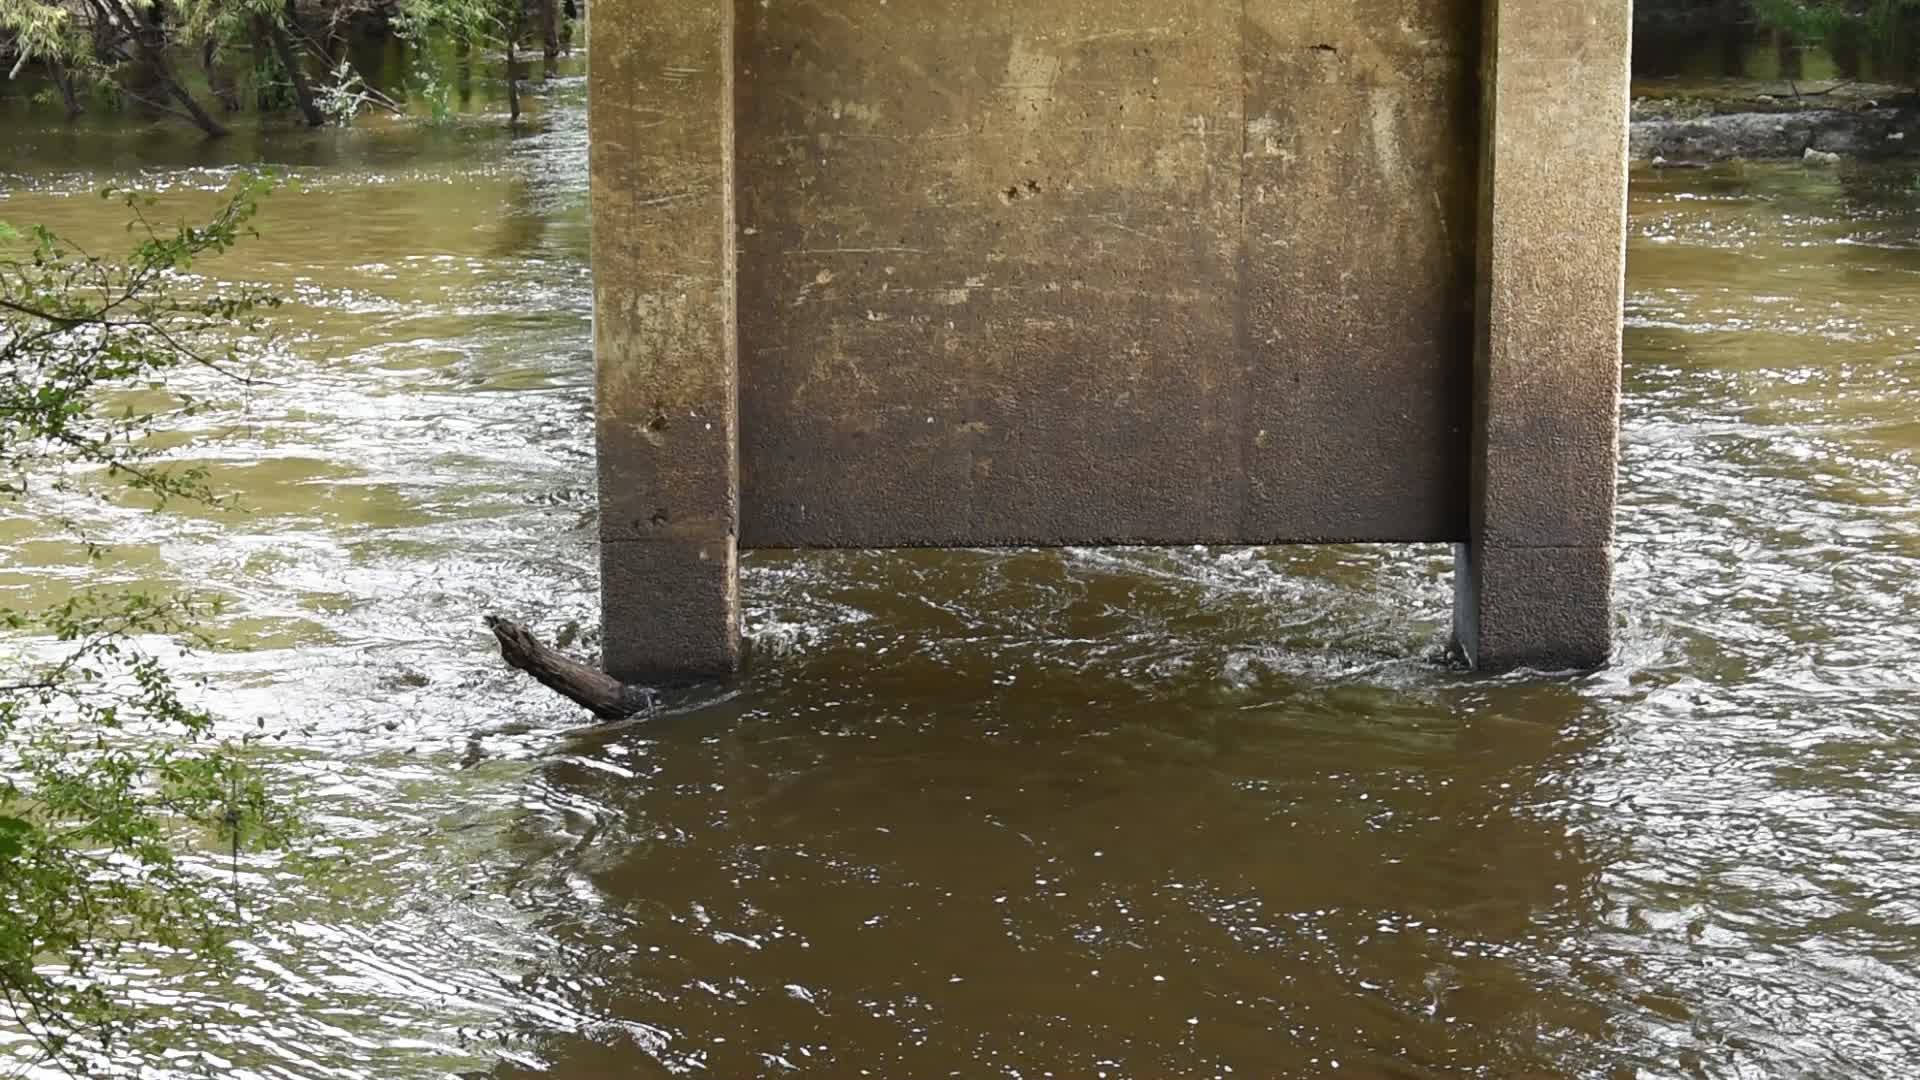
1081	813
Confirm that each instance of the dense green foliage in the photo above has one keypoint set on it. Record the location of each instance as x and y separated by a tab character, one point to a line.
291	54
1660	15
1818	18
1869	41
1807	18
110	778
1810	17
1887	30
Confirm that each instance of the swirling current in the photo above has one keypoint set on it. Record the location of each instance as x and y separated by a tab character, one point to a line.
1088	813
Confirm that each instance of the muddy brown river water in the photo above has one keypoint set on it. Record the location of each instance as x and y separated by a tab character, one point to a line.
1087	813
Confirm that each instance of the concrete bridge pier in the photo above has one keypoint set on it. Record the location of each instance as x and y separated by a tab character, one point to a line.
1048	272
1533	584
666	340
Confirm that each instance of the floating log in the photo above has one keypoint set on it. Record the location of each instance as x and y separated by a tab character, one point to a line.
596	691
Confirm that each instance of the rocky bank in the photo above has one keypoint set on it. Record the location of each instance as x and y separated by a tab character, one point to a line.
1851	121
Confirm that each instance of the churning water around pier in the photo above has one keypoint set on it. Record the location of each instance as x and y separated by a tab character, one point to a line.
1089	813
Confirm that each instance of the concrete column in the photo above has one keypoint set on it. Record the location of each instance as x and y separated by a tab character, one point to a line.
1534	583
661	127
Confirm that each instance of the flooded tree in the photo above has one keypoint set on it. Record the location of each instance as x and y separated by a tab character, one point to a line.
276	31
132	44
470	24
295	51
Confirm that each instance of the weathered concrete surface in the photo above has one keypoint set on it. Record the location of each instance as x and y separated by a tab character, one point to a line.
1105	271
1093	271
1358	279
661	116
1539	607
669	610
1537	579
989	271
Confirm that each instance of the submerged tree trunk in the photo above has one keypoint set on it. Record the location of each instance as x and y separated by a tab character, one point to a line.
106	32
550	31
220	82
296	71
513	81
201	118
69	94
257	49
463	75
599	693
150	43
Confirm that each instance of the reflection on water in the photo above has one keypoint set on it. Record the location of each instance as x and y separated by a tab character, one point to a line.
1082	813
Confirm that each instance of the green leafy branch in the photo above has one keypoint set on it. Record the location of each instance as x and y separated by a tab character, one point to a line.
111	780
74	327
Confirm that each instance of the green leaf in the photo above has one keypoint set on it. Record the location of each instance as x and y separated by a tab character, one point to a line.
15	833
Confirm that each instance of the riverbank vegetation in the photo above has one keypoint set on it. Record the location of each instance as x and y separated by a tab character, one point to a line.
117	792
323	62
1820	81
1880	33
201	61
1875	40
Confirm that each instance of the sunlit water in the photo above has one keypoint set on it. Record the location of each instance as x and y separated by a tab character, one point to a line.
1082	813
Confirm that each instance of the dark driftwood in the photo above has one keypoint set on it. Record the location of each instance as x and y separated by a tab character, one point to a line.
596	691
